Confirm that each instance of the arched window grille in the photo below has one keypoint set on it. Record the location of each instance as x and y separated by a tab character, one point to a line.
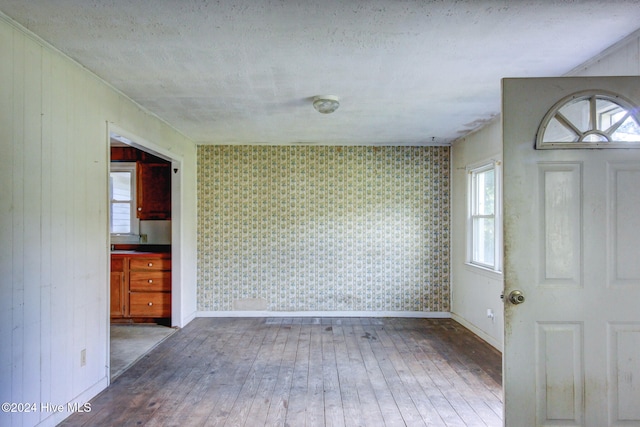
591	119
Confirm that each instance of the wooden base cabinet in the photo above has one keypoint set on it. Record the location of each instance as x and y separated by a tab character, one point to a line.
150	304
117	283
145	286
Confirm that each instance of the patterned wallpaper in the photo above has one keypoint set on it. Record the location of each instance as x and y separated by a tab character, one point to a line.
302	228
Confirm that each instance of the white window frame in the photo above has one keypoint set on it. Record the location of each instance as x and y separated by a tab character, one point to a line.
472	172
134	235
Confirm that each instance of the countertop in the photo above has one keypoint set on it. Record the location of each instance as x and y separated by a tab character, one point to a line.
123	253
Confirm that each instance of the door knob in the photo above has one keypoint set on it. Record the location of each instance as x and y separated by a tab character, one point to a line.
516	297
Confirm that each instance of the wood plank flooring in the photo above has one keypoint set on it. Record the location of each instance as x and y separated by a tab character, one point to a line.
308	372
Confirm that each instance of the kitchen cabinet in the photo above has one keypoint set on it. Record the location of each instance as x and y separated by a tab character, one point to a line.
124	154
153	190
118	301
153	182
145	291
150	287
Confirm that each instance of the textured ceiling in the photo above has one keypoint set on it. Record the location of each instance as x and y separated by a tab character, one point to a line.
245	72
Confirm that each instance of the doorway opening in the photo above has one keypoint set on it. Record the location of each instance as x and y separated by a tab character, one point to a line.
144	286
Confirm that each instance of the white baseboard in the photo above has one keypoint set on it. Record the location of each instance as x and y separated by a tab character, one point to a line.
187	319
82	399
414	314
480	333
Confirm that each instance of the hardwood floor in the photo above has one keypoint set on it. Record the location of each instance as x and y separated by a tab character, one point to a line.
308	372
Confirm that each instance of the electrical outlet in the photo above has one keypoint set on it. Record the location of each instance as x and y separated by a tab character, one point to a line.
83	357
143	238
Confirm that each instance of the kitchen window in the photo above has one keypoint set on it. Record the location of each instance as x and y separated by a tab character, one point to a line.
122	195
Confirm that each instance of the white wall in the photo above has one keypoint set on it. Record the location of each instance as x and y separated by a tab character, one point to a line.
473	291
54	253
621	59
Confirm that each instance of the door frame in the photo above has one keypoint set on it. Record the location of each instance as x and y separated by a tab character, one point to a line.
177	226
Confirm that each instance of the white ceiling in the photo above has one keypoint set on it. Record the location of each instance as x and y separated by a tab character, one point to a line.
407	72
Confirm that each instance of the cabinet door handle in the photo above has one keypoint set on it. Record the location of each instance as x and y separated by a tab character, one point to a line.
150	280
150	304
150	264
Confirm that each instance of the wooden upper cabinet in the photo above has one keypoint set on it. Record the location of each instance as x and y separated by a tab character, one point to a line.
153	190
153	182
124	154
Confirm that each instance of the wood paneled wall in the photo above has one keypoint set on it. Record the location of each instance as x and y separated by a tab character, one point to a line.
54	222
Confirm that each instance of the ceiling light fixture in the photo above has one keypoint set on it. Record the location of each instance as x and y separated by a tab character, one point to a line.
326	104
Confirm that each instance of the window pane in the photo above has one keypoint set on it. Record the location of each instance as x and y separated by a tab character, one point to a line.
578	113
557	132
122	181
594	137
121	186
485	192
484	241
121	218
628	131
608	113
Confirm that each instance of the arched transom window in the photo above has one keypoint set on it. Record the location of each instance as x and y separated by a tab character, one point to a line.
592	119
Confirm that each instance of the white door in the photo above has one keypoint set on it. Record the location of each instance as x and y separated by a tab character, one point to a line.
572	247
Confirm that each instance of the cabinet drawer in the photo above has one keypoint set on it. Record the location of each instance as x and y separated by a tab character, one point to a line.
150	304
146	264
150	281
